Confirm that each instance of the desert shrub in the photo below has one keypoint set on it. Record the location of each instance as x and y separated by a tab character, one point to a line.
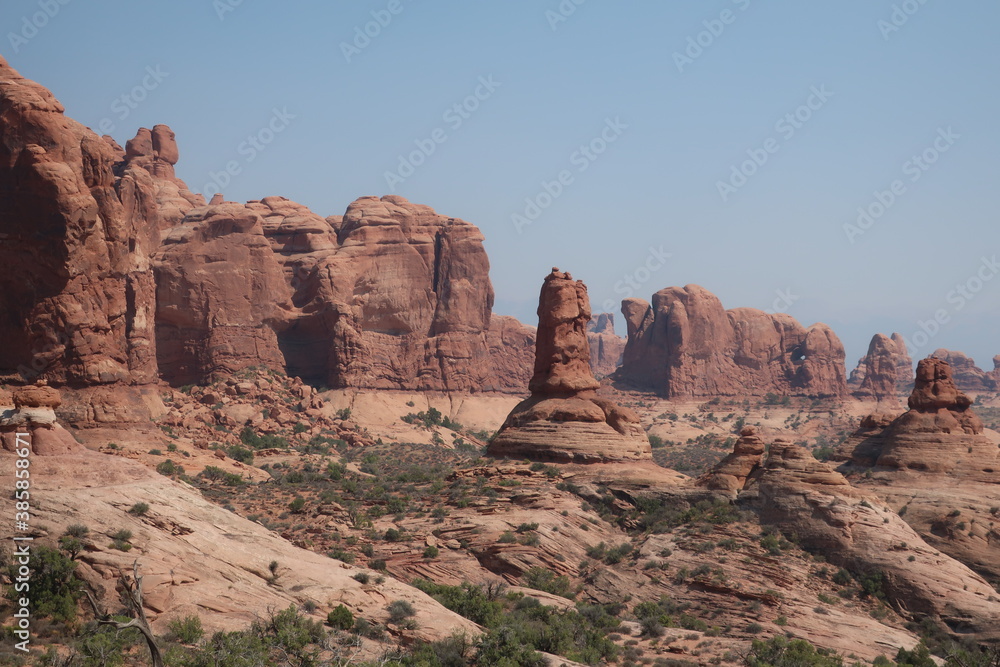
431	552
139	509
779	651
54	587
186	630
400	610
542	579
340	618
169	468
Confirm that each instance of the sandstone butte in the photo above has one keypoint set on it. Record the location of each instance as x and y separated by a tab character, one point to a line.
117	275
686	345
935	466
564	420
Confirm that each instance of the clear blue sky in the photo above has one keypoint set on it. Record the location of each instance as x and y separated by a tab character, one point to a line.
559	83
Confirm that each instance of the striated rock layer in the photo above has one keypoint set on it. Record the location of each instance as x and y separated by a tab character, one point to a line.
686	345
731	473
564	420
850	527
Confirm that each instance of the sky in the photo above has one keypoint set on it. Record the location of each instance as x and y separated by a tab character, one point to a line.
835	161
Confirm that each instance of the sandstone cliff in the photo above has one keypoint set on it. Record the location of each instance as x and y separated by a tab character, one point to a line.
120	275
685	345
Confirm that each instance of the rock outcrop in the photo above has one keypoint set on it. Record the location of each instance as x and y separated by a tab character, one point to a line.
731	473
935	465
852	529
883	371
968	376
390	295
606	347
221	296
685	345
564	420
74	243
31	423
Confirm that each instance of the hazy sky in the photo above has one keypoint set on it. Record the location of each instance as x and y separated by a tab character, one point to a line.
728	143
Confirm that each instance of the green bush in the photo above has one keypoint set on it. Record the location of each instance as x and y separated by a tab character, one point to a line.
139	509
186	630
779	651
169	468
54	586
400	610
431	552
542	579
340	618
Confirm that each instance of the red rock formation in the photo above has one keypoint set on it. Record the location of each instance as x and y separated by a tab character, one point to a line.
606	347
220	296
852	529
390	295
968	376
685	345
32	424
564	420
939	433
75	289
935	462
731	473
882	371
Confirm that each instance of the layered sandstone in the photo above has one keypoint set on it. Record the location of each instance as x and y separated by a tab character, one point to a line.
564	420
936	465
31	424
75	290
731	473
853	529
686	345
221	296
390	295
883	371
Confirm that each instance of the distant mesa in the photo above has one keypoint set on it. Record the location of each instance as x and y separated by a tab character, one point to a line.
686	345
564	420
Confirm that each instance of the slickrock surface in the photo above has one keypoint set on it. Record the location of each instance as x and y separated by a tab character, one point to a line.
197	558
853	529
564	420
883	371
686	345
936	466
